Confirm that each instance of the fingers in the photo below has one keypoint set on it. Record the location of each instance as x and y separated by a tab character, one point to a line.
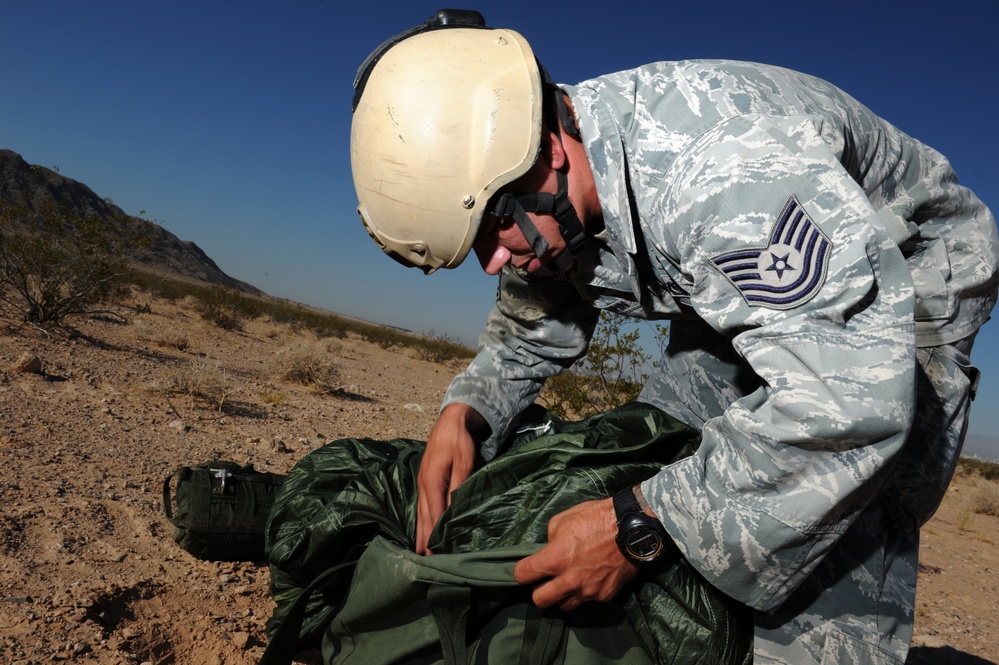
430	507
447	462
533	568
568	587
434	496
434	485
581	561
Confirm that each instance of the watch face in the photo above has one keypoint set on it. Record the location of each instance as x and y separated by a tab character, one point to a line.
643	542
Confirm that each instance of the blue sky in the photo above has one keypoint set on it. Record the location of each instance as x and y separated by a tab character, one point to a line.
228	122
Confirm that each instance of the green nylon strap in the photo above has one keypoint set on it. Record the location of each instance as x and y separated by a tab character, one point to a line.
450	605
545	635
284	643
182	473
549	635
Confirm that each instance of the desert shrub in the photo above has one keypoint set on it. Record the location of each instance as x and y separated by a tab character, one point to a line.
383	338
440	348
284	312
985	499
55	263
325	326
158	286
174	340
142	330
274	397
312	365
198	380
224	307
985	469
271	330
611	374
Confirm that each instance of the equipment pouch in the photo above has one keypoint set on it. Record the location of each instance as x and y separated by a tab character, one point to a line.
219	509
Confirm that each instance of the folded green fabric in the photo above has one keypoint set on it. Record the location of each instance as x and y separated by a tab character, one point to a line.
355	500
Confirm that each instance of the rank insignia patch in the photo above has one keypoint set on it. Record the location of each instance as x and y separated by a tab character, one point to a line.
789	270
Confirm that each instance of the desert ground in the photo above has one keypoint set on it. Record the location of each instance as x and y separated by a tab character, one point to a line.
89	571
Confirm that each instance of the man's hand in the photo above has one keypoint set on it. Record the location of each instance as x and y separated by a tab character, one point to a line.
581	561
447	462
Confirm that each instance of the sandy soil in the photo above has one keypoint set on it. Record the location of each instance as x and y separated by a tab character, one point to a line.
89	572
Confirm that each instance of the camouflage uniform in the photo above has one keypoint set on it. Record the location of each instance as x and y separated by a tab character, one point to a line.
825	275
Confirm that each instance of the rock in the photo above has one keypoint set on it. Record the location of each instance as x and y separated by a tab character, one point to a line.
179	425
414	407
27	363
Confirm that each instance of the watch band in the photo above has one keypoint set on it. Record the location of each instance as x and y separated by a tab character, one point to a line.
625	503
633	522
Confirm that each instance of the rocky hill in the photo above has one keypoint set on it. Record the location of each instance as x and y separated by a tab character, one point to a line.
38	186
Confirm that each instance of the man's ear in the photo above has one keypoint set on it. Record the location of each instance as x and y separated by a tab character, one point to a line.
552	149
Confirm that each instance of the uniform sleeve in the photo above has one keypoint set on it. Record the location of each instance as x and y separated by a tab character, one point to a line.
786	258
539	326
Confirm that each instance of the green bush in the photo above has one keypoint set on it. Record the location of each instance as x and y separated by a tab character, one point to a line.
985	469
611	374
441	348
55	263
226	308
158	286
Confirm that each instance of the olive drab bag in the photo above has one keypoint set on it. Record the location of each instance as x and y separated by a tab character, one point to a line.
218	510
344	576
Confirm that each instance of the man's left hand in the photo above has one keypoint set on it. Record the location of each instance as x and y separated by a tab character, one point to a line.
581	561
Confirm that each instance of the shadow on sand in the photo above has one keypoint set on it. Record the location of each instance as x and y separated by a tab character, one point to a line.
943	656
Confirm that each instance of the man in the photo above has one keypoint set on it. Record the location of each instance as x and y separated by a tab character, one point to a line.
825	275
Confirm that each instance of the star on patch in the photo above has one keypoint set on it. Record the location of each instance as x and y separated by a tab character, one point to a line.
789	271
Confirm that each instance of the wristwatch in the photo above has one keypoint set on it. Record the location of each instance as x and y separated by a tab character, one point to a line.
642	539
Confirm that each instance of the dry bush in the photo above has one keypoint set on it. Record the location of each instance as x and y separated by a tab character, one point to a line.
146	332
225	307
171	339
268	329
985	500
986	469
437	348
197	380
178	341
274	397
56	262
312	365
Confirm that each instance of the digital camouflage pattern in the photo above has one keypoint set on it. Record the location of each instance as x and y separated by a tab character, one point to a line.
820	267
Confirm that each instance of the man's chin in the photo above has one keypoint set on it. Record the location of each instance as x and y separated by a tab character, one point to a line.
534	265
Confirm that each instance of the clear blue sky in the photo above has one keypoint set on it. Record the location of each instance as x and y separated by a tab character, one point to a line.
228	122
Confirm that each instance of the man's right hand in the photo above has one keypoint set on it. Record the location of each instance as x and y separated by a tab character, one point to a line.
448	460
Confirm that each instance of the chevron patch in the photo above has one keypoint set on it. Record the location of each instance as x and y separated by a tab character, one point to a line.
789	270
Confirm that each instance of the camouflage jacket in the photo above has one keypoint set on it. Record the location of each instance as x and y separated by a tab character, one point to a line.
821	240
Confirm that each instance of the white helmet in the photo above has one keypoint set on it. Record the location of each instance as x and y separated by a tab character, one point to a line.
447	117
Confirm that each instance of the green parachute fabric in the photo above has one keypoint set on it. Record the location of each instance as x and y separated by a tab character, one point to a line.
344	523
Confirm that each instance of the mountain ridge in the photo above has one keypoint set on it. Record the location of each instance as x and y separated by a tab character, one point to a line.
37	186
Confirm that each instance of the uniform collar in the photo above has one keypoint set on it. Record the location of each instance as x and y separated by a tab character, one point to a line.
608	163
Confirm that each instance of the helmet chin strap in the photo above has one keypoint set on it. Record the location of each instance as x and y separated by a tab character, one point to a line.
543	203
558	204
